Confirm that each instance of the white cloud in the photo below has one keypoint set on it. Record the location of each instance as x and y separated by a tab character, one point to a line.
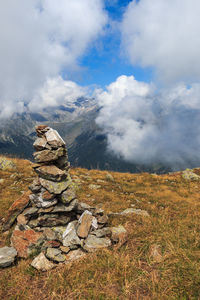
164	35
146	126
39	38
55	92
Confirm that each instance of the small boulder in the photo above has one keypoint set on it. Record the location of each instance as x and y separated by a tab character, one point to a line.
70	237
55	255
75	255
7	256
93	243
41	263
190	175
85	225
26	240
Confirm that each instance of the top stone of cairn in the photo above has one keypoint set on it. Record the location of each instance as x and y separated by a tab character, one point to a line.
47	138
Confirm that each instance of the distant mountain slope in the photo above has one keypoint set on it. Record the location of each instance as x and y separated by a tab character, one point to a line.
85	141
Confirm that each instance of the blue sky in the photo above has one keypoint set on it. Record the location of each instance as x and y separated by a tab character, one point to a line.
105	60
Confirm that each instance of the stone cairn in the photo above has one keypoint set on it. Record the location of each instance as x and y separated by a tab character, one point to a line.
53	223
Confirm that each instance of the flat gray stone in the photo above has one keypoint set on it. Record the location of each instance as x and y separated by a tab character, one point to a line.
7	256
41	263
70	237
40	143
68	195
35	187
38	200
48	155
49	220
93	243
55	188
55	255
51	172
65	208
75	255
30	211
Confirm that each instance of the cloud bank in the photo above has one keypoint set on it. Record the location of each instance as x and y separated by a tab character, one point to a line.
55	92
164	35
148	123
39	39
145	126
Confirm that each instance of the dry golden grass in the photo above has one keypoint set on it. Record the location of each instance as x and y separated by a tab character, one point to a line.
128	272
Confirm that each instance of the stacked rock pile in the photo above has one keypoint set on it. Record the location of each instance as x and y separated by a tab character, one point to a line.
53	222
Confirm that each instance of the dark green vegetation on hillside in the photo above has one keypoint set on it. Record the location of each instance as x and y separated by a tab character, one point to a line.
128	271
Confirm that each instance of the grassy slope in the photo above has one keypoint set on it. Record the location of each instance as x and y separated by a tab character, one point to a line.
127	272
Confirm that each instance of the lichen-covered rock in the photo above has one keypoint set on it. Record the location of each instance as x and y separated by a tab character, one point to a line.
30	211
41	263
51	172
190	175
68	195
6	164
55	188
48	155
7	256
39	201
35	187
64	249
65	208
16	208
55	255
50	220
